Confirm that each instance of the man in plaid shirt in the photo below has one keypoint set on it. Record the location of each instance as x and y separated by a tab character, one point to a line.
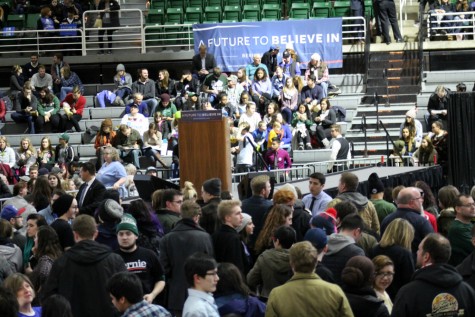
127	296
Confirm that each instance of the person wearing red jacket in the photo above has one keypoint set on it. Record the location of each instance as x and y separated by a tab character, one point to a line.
73	106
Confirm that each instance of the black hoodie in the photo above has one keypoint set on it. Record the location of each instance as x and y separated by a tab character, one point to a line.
435	290
81	275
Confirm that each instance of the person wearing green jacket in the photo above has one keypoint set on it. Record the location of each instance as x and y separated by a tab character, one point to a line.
48	108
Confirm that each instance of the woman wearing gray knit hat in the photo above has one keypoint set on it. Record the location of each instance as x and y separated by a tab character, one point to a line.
65	208
108	215
245	230
123	85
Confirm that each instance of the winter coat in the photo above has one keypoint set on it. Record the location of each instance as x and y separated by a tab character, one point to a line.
306	294
436	289
12	253
364	302
467	269
272	269
340	249
300	220
81	275
365	209
421	225
182	241
403	266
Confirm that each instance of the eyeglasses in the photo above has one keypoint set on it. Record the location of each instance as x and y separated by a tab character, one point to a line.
469	205
215	273
385	274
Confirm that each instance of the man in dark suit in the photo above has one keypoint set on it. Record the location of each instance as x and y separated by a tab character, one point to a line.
90	193
203	63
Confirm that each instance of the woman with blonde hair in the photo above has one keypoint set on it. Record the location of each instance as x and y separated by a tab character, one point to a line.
278	216
396	244
189	192
289	97
112	173
25	156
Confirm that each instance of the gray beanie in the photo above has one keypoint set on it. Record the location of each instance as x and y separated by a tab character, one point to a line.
245	221
120	67
110	211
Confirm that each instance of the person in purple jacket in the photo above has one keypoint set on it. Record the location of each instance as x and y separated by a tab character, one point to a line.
276	157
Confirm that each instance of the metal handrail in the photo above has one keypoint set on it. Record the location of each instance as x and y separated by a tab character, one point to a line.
145	37
444	24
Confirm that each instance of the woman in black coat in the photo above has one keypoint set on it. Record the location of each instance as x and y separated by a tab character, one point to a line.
110	18
357	278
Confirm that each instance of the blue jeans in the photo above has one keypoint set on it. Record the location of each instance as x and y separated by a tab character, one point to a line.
152	104
21	118
123	92
64	92
131	155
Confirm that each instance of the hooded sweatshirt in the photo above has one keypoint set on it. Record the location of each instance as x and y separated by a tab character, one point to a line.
12	253
435	290
365	209
340	249
272	269
81	276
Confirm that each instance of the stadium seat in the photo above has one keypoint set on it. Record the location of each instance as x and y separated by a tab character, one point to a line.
213	14
195	3
31	21
214	3
158	4
271	11
173	34
299	11
341	8
156	16
175	15
278	2
251	12
176	4
368	8
321	9
16	20
232	13
258	2
232	3
193	15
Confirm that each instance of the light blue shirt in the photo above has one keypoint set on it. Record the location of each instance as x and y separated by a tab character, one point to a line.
200	304
48	214
320	204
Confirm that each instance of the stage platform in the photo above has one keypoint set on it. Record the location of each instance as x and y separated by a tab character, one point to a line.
390	176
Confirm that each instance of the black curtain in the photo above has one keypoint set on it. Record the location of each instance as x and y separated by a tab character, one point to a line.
461	129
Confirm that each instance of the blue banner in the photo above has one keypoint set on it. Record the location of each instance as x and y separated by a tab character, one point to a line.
234	44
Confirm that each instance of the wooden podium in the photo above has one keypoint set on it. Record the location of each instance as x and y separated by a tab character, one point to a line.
204	148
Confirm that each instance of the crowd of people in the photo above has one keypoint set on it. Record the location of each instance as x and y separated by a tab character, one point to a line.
399	252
